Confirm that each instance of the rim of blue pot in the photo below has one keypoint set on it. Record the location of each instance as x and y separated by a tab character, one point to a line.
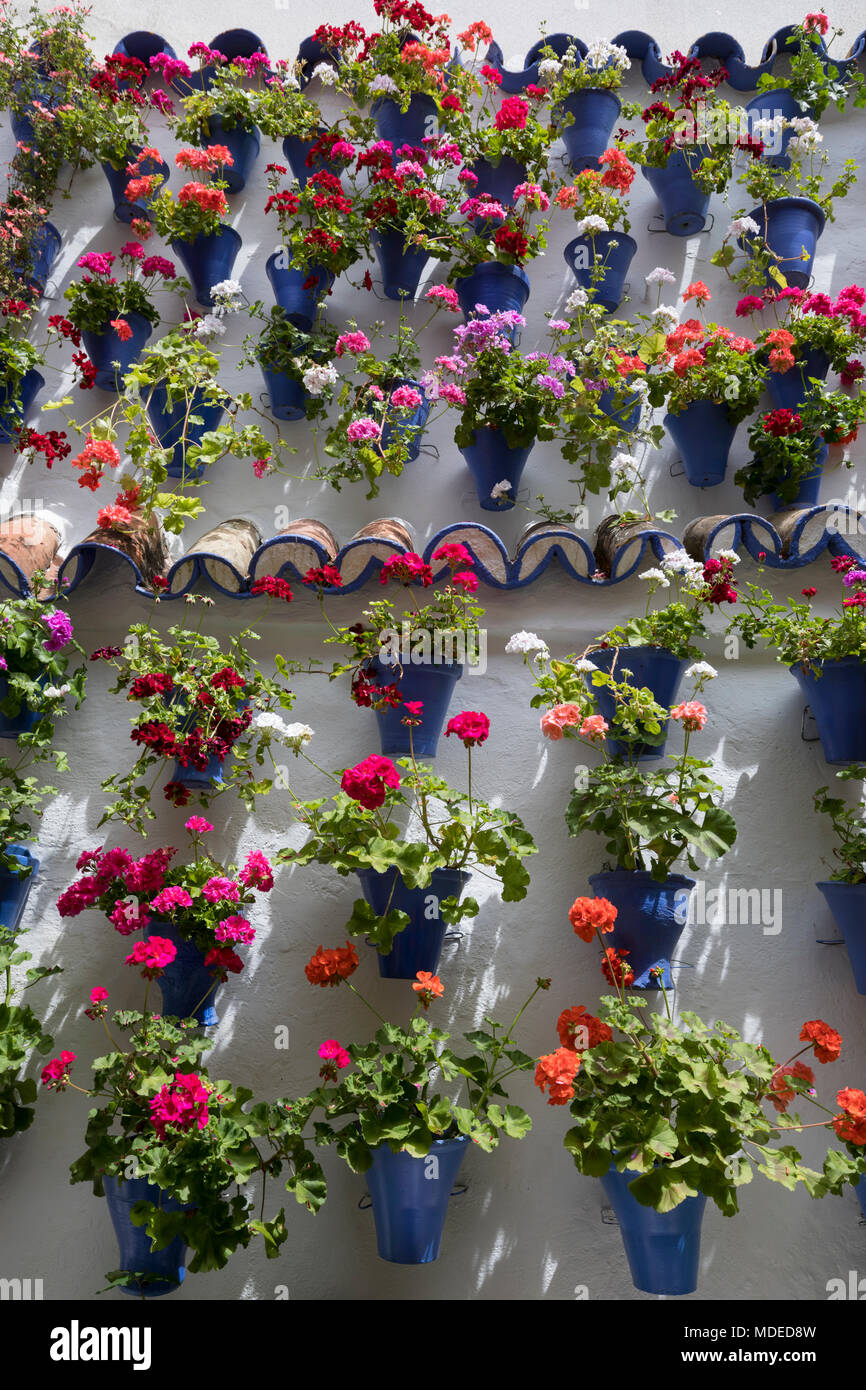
678	880
807	205
836	885
515	272
582	240
243	41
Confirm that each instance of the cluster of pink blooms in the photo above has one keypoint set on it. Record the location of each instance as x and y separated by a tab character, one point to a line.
471	727
408	568
153	955
56	1074
691	714
182	1104
335	1058
368	782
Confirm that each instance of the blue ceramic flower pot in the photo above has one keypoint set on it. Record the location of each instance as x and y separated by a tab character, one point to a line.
298	292
498	180
406	425
143	45
243	144
44	252
650	920
684	205
419	945
124	210
663	1248
15	889
432	682
163	1269
789	389
837	699
287	397
626	414
405	127
652	667
703	433
495	285
847	902
168	422
208	260
188	988
111	356
791	230
233	43
860	1189
595	113
410	1199
613	252
491	461
17	721
765	107
809	490
401	268
14	409
297	149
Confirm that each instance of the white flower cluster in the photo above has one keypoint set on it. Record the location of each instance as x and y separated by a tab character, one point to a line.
325	73
681	562
767	128
588	226
623	463
665	318
578	299
701	670
584	665
56	692
549	68
660	276
383	83
208	326
228	297
502	489
295	736
741	226
656	576
730	555
601	54
805	143
319	377
527	642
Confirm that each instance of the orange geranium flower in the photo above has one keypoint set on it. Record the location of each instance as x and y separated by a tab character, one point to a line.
588	915
697	290
329	967
851	1125
428	987
783	1094
579	1030
614	968
826	1041
557	1071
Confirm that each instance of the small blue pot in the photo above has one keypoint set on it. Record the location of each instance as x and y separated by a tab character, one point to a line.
186	983
684	205
498	180
13	412
168	422
837	699
406	425
595	113
847	902
12	725
494	284
654	667
650	920
15	890
296	149
288	399
432	682
789	389
419	945
208	260
165	1268
405	127
410	1199
45	250
491	461
860	1189
703	433
767	105
243	144
809	490
113	357
300	305
626	415
792	228
614	251
401	268
143	45
663	1248
124	210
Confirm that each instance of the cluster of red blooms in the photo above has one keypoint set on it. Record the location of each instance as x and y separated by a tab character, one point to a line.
182	1104
52	444
688	76
368	782
850	1124
578	1031
471	727
272	586
323	576
718	576
780	423
117	68
329	967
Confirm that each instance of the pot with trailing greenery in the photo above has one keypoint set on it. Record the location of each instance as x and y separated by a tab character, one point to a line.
845	890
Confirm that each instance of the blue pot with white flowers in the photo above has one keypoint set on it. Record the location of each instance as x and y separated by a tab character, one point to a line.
600	262
494	464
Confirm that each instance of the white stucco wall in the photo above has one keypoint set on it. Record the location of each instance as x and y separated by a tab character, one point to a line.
529	1227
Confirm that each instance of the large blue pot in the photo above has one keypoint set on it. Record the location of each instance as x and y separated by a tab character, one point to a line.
124	210
299	304
11	725
614	252
809	490
654	667
490	461
111	356
684	205
164	1268
847	902
791	228
663	1248
703	433
498	180
419	945
410	1199
188	989
297	148
44	252
494	284
287	397
405	127
789	389
208	260
626	414
14	410
243	144
837	699
401	268
650	920
15	890
769	104
406	425
168	422
432	682
595	112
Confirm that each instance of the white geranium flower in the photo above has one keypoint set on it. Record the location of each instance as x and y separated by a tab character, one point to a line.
588	226
549	67
584	665
805	143
578	299
317	378
701	670
802	124
656	576
767	127
502	489
326	74
526	642
729	555
742	226
228	294
665	317
600	54
209	325
623	463
56	692
297	736
660	276
383	83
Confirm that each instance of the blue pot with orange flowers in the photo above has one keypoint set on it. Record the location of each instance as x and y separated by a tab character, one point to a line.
703	432
405	423
430	682
410	1199
494	284
836	692
15	406
600	263
655	668
492	462
847	902
188	987
124	209
151	1273
650	919
168	425
298	292
113	353
595	113
684	205
791	228
15	885
405	127
663	1248
419	945
208	260
400	266
243	143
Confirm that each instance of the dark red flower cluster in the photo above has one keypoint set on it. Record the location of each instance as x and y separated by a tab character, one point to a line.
274	587
227	679
327	576
718	575
144	686
65	328
52	444
283	203
409	568
340	38
86	371
751	144
105	653
368	781
780	423
512	241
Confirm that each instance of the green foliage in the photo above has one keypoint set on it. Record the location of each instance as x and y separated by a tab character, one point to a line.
780	463
848	826
21	1031
796	633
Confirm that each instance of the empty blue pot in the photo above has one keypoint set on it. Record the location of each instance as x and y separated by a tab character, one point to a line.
15	889
498	180
401	267
765	107
168	423
495	285
287	397
188	988
847	902
684	205
297	148
595	113
410	1199
490	461
789	389
626	414
14	409
650	920
613	252
164	1268
300	304
791	230
208	260
703	433
809	489
663	1248
124	210
44	252
113	357
837	699
243	144
406	425
655	668
419	945
405	127
432	682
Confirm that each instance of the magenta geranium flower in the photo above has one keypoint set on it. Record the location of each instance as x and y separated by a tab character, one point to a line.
169	899
218	890
153	955
471	727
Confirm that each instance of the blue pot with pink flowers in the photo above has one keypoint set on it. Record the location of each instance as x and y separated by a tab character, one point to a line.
419	945
112	354
600	264
496	468
150	1273
430	682
405	424
188	987
498	181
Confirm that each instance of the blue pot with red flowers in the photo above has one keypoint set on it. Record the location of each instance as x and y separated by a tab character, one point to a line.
650	919
663	1248
124	209
494	284
847	902
14	408
208	259
307	157
595	113
15	885
789	389
405	423
430	682
492	463
243	143
400	266
406	127
703	432
419	945
189	988
600	264
684	205
298	292
113	353
766	107
791	228
168	425
410	1199
151	1273
653	668
836	693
